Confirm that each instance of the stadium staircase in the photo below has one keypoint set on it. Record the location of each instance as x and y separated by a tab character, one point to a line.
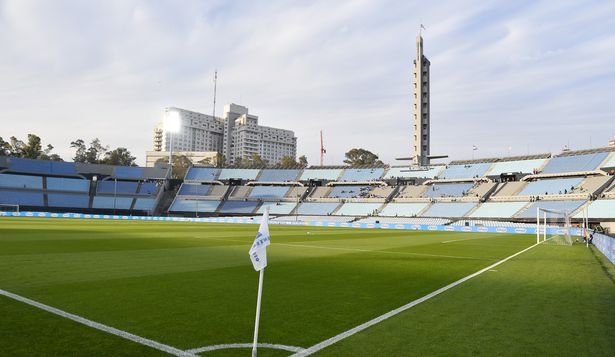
165	202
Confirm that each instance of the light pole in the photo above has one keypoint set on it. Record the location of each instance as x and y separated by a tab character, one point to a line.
172	125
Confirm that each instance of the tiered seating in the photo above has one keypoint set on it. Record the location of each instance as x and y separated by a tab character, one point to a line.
117	187
295	192
412	172
241	191
42	167
269	192
144	204
405	220
148	188
551	187
349	191
362	174
321	192
448	209
576	163
21	181
412	191
110	202
448	190
238	174
592	184
510	188
321	174
191	189
22	198
277	207
317	208
403	209
519	166
202	174
464	171
610	163
245	207
358	209
380	192
569	206
180	205
498	209
68	184
270	175
68	200
604	209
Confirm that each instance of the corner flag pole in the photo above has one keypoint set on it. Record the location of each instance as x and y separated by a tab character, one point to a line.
258	310
258	255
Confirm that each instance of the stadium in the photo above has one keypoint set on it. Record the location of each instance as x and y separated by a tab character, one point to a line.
211	252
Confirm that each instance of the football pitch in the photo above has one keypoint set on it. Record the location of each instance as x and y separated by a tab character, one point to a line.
191	287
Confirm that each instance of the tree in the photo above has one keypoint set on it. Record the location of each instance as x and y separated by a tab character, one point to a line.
303	161
92	154
5	147
181	164
120	157
33	149
288	162
220	160
362	157
257	161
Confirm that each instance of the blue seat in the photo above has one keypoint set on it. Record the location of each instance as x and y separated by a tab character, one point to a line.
278	175
498	209
22	198
106	202
245	207
362	174
519	166
448	190
148	188
277	207
240	174
357	209
189	189
407	172
21	181
569	206
465	171
181	205
576	163
128	172
454	210
68	200
68	184
117	187
144	204
550	187
320	174
402	209
349	191
269	191
317	208
202	174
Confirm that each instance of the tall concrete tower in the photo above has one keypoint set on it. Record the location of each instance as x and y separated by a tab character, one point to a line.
420	121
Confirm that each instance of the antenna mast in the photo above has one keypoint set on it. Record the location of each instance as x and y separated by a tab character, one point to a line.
215	83
322	150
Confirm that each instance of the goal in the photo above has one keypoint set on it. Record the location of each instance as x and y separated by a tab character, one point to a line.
9	208
553	227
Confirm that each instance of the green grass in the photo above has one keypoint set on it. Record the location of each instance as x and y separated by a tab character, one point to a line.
190	285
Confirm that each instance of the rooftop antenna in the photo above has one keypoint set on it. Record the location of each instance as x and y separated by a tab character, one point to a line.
421	28
215	84
322	150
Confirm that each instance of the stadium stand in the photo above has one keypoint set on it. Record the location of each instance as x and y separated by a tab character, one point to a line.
406	220
604	209
68	200
358	209
269	192
274	175
349	191
110	202
191	189
22	198
202	174
21	181
240	191
316	208
321	174
296	192
610	163
464	171
406	172
182	205
277	207
510	188
497	209
144	204
448	190
245	207
448	209
68	184
238	174
551	187
411	191
117	187
517	166
42	167
574	163
403	209
530	211
354	175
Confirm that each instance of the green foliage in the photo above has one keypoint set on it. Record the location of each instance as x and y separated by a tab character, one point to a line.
120	157
92	154
361	157
32	149
181	164
303	162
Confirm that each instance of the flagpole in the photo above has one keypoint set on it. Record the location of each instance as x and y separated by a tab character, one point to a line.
258	310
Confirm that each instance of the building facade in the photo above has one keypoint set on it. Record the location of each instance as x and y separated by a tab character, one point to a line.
420	122
236	135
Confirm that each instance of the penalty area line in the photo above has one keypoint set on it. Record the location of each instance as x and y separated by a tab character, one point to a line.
82	320
245	345
326	343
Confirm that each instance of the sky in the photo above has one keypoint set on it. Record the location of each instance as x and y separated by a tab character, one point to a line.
510	77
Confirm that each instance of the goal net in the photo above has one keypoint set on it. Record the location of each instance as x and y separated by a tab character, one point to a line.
9	208
553	227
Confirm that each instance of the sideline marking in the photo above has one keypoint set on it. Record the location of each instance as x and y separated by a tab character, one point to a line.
326	343
377	251
245	345
460	240
82	320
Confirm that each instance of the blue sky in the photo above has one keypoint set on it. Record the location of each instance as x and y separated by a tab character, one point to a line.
531	76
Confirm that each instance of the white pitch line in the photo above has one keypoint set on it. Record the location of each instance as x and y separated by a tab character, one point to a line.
82	320
245	345
326	343
374	251
459	240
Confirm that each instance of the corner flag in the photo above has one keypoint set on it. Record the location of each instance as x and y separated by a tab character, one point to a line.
258	252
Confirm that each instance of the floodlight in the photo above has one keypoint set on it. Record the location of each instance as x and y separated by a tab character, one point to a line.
172	123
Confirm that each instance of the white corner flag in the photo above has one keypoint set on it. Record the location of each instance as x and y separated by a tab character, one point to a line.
258	251
258	256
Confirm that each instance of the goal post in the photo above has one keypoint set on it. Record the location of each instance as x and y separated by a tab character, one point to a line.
9	208
553	227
